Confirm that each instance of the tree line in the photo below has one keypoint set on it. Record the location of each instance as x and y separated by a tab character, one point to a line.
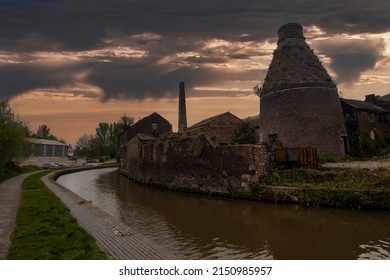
104	143
15	134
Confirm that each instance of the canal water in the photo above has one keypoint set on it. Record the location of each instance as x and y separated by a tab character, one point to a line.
194	226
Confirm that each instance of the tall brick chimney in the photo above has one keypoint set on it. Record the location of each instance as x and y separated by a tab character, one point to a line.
182	109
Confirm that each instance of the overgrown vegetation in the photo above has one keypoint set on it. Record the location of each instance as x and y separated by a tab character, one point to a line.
13	136
45	229
371	147
351	188
11	169
105	140
330	178
249	135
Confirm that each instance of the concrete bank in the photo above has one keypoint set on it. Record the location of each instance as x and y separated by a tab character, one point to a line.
112	236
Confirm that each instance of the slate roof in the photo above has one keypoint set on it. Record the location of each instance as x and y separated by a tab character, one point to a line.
253	120
46	142
363	105
385	97
211	119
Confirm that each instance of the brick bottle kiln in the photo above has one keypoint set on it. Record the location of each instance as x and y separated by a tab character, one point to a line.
299	102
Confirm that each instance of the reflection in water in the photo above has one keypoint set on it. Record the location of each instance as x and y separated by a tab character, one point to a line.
202	227
376	250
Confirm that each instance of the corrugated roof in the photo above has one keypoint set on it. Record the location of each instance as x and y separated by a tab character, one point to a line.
47	142
363	105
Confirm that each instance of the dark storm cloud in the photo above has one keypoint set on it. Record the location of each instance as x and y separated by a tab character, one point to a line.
19	78
123	81
163	29
352	57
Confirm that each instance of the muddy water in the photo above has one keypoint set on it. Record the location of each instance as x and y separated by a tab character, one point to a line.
201	227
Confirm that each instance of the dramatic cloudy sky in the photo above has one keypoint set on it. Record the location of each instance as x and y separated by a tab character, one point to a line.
71	64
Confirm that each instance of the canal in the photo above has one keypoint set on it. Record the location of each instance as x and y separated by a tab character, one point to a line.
192	226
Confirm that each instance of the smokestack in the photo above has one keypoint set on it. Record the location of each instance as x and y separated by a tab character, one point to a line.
182	108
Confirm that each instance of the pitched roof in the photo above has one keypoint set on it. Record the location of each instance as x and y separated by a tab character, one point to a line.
362	105
46	142
385	97
254	120
211	119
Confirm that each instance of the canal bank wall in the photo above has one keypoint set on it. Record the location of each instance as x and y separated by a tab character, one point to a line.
195	164
54	176
358	199
351	198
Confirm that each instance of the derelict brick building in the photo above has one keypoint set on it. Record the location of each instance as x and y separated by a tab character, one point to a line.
223	128
299	102
152	125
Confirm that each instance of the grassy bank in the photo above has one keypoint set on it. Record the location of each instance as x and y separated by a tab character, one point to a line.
45	229
347	188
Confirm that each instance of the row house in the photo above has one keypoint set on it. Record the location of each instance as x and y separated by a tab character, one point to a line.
365	119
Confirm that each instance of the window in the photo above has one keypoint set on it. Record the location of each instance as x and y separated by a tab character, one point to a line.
371	117
155	128
350	116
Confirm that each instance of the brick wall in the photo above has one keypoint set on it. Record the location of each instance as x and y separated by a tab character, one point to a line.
222	130
193	164
304	117
154	124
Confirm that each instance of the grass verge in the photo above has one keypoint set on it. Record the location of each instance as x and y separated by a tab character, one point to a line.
45	229
346	188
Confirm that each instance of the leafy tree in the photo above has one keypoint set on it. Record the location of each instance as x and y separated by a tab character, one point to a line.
249	136
83	145
43	132
125	122
114	131
105	140
13	135
258	90
102	135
